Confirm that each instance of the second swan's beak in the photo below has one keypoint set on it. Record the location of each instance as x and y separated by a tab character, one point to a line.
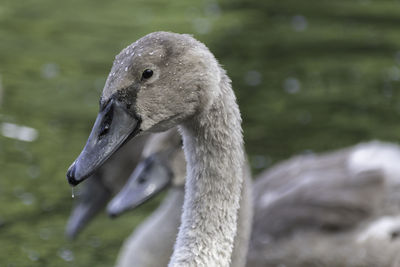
150	177
115	124
92	200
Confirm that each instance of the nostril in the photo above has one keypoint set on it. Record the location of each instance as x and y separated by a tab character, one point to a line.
142	180
106	124
104	129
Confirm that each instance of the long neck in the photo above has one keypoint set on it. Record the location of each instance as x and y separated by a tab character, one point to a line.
213	145
155	236
245	221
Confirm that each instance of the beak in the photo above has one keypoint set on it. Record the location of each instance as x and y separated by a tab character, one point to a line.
150	177
92	200
114	125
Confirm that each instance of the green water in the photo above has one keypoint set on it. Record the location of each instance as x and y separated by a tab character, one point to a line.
309	76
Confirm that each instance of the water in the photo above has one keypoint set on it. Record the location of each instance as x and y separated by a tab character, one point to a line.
344	108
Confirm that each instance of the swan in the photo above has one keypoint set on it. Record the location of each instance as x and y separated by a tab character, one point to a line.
338	208
104	183
165	80
164	165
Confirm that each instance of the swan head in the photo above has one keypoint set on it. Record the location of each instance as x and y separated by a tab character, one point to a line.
156	83
163	165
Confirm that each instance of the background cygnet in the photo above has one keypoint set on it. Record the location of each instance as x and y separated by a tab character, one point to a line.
93	196
151	244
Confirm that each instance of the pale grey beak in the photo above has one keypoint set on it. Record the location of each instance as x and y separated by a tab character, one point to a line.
150	177
115	124
91	201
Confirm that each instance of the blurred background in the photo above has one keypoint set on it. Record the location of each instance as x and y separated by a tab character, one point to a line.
310	76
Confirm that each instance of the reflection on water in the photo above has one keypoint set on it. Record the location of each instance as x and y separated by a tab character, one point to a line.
19	132
66	254
299	23
291	85
253	78
50	70
1	91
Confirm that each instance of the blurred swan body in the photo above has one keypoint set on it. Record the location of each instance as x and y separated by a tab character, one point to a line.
333	209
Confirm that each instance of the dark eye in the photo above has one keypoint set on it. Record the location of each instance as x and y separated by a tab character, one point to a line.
147	73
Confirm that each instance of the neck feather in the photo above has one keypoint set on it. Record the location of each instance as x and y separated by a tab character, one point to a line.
155	236
213	145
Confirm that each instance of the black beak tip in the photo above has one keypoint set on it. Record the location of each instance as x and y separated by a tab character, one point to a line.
71	176
113	215
112	211
71	235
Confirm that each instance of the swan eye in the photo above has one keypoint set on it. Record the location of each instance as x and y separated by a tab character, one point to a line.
147	73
